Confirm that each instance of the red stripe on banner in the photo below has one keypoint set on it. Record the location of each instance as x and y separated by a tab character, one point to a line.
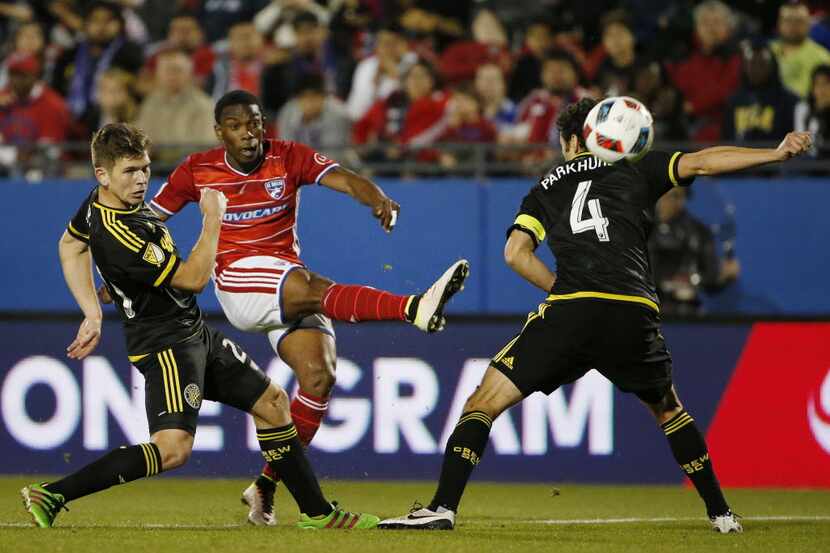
772	428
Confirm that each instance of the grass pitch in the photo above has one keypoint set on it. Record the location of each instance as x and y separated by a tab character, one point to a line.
201	516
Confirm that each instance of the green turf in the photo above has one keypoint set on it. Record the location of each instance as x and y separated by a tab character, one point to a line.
495	517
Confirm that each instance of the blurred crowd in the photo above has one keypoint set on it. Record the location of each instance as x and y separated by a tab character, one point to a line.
394	77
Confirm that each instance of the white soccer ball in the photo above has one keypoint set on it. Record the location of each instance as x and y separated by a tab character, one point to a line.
618	128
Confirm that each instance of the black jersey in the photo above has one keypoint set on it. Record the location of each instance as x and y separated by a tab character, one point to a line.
137	259
597	218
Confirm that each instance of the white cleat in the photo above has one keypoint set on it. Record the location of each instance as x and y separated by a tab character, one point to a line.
260	502
429	316
421	518
727	523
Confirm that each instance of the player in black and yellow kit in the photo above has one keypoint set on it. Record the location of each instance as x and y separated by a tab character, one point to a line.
602	311
182	359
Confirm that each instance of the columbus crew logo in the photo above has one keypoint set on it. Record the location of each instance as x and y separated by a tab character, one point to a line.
193	396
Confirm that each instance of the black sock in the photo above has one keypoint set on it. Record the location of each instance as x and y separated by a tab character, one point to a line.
284	452
689	449
119	466
464	450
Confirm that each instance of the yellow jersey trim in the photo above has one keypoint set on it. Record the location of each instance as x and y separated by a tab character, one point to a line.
76	232
132	243
170	263
673	168
605	296
583	154
533	225
137	358
115	209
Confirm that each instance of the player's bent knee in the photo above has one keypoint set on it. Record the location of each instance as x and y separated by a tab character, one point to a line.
273	407
175	447
317	379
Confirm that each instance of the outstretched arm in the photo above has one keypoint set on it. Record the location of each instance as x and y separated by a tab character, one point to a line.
76	262
364	191
519	255
726	159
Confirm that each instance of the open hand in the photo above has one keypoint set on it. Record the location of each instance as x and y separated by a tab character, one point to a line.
89	334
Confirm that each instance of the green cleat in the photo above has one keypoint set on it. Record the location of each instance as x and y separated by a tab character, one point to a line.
42	504
338	519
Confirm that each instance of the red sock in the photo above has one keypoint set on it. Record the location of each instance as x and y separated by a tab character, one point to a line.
307	412
352	303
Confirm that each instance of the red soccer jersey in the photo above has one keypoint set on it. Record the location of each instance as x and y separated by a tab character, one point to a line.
261	218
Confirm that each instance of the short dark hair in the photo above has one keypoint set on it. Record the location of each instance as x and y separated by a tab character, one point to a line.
571	120
305	18
234	98
312	82
116	141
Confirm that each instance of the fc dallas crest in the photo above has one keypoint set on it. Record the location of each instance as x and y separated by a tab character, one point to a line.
275	188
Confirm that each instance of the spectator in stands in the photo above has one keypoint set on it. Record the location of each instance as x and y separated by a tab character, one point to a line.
664	101
177	112
797	53
348	37
28	39
315	118
30	111
116	99
376	77
560	86
711	73
414	116
434	25
184	34
11	14
762	109
813	114
240	66
684	257
280	80
465	125
615	75
528	69
496	107
103	45
276	20
460	60
218	17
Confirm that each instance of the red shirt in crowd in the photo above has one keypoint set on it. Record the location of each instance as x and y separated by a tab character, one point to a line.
707	82
461	60
418	123
261	216
539	110
42	117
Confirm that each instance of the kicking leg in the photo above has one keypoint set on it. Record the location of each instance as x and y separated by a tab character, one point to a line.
283	451
466	445
166	450
689	449
306	293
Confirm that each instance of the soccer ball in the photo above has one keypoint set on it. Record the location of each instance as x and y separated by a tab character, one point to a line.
618	128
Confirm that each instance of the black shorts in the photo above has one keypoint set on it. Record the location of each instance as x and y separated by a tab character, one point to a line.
205	366
565	339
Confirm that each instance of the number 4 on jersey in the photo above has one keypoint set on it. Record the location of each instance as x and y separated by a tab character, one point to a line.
597	222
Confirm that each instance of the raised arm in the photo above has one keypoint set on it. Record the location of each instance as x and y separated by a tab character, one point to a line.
364	191
726	159
519	255
194	273
76	262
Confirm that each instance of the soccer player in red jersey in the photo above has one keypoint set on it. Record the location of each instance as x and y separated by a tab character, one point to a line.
260	280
